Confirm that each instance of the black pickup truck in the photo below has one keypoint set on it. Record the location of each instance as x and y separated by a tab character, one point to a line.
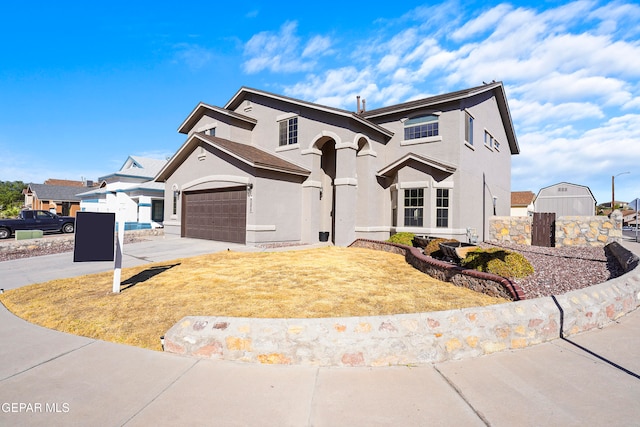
36	220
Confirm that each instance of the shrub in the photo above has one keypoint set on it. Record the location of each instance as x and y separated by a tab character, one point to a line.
498	261
403	238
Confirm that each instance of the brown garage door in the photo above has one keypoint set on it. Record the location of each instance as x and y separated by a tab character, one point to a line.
216	215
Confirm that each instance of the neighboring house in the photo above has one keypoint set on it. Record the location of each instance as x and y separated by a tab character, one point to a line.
565	199
629	217
55	195
269	168
522	203
133	190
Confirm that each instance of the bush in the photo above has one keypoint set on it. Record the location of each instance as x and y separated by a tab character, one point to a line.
433	248
403	238
498	261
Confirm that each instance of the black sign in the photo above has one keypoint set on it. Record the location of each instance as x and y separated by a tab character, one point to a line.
94	236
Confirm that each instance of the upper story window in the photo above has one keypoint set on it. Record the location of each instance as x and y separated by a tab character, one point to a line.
468	128
421	127
490	141
288	131
210	132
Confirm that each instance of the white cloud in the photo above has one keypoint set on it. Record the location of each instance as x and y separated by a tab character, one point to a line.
482	23
194	56
318	45
281	52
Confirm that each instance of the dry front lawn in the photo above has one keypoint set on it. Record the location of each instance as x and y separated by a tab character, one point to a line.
325	282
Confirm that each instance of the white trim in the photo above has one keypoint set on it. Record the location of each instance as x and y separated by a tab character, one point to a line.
234	179
253	227
375	228
287	116
321	135
413	184
289	147
345	181
443	184
311	151
367	153
351	145
424	140
312	184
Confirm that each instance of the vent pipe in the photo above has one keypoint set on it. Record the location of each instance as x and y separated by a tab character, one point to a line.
358	106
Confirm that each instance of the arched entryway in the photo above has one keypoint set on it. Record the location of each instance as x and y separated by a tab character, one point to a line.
327	188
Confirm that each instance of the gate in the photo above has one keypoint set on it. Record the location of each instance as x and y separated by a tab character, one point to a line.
543	229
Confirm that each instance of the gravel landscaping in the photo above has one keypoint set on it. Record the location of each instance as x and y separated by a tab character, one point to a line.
563	269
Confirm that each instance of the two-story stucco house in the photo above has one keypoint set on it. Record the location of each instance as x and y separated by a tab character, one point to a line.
269	168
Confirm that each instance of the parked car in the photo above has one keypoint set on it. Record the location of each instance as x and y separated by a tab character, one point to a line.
37	220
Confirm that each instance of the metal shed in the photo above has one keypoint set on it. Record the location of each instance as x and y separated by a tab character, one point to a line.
565	199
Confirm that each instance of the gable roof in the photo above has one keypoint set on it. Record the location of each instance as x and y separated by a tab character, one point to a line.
202	109
237	99
248	154
56	193
564	183
138	167
496	87
522	198
390	169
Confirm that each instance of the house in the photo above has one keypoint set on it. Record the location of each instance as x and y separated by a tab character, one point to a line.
522	203
131	189
565	199
55	195
270	168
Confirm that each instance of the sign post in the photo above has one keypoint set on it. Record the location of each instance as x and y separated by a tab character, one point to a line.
636	205
117	269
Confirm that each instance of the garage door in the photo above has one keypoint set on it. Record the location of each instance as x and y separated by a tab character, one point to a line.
216	215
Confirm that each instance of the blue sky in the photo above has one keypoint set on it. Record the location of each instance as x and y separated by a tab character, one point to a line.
83	85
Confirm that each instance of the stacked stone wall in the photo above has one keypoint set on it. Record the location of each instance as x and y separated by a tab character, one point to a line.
586	231
569	230
510	229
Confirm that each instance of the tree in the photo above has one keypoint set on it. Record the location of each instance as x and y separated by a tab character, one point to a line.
11	194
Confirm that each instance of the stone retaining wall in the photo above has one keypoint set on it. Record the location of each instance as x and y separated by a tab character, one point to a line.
486	283
407	338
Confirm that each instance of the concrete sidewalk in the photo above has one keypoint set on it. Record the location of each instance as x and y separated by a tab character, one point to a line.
50	378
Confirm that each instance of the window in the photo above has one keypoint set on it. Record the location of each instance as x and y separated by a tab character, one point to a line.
174	210
157	210
490	141
413	207
468	128
442	207
421	127
210	132
289	131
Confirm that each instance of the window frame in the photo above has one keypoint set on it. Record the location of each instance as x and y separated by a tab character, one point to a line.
413	207
442	205
426	125
468	128
288	132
